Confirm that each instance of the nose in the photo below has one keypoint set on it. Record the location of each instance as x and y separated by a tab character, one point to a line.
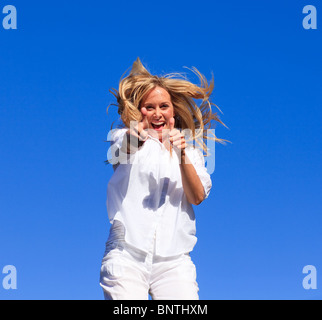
157	113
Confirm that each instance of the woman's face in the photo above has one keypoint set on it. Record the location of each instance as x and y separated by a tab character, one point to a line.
159	109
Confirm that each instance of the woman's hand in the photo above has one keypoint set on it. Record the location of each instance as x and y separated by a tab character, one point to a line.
137	134
139	130
176	139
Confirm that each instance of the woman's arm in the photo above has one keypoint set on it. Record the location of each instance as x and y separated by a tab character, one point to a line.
191	182
192	185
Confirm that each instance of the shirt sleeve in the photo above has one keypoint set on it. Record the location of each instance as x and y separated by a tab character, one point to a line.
115	155
117	136
196	157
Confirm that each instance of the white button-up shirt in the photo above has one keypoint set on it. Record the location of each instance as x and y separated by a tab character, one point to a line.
146	195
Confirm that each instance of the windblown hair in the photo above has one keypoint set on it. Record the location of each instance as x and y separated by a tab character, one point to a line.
183	93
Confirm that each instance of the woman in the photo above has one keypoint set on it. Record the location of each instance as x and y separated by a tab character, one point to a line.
158	177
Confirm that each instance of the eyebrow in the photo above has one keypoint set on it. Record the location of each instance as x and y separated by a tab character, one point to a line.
150	103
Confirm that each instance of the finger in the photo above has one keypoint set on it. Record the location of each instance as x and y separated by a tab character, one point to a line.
144	111
134	132
142	132
171	123
144	118
175	135
181	146
137	131
178	143
134	127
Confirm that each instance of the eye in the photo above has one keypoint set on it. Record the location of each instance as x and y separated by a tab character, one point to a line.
149	108
164	106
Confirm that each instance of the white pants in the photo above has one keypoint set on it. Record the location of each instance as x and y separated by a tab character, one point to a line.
129	274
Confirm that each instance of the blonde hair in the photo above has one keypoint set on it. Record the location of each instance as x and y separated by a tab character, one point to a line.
183	93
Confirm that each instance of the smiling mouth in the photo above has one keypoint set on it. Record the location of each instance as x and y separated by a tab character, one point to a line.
158	125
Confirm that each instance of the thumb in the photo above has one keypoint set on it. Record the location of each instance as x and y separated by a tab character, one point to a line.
144	111
144	118
171	123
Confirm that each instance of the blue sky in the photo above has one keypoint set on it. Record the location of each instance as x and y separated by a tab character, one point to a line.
262	221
